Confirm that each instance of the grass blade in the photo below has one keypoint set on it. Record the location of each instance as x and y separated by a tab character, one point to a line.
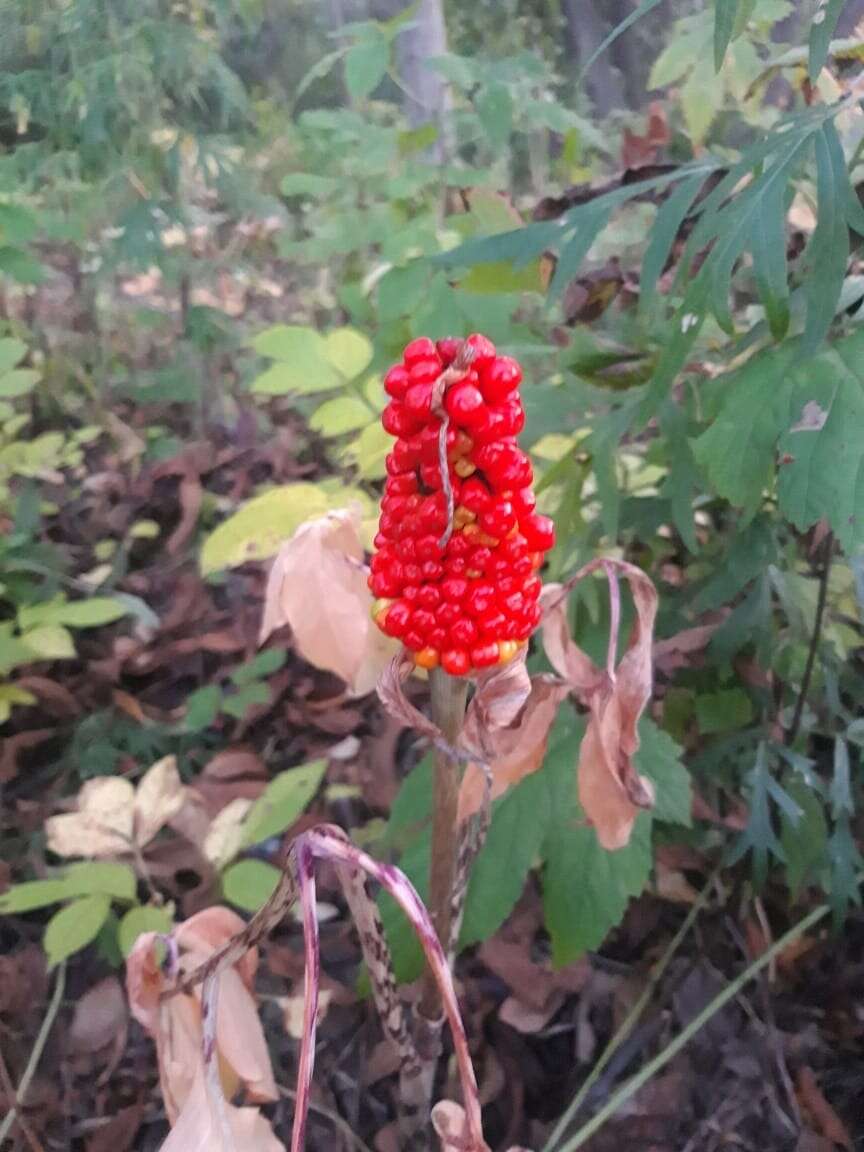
821	31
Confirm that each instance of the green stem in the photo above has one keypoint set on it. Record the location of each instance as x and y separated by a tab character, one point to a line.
632	1086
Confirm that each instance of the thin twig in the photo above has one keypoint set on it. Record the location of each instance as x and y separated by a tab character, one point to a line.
36	1054
827	554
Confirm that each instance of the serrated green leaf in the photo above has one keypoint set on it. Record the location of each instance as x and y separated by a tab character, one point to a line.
723	711
261	525
725	13
366	65
251	696
585	889
659	758
285	798
349	351
846	864
576	248
512	847
261	666
805	842
74	927
822	29
337	417
302	366
370	450
249	884
841	792
202	708
670	217
144	918
768	244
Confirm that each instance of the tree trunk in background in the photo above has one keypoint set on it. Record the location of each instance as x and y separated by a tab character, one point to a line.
426	98
586	29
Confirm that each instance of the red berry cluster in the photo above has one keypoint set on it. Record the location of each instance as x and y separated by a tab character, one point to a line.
473	602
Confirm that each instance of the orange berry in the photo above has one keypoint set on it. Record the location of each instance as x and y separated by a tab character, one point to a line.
427	658
464	468
507	649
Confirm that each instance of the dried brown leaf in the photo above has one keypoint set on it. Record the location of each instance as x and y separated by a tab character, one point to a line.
392	696
317	586
813	1102
516	751
100	1017
500	696
451	1126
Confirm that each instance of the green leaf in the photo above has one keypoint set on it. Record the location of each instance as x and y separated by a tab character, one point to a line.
249	883
91	613
144	918
349	351
668	223
512	847
495	111
804	842
659	758
723	711
261	526
101	877
585	889
263	665
74	927
31	895
759	836
576	249
366	65
12	352
239	703
822	29
846	865
50	642
768	244
828	251
823	478
336	417
369	451
725	12
20	266
202	708
19	382
303	363
284	799
841	792
310	184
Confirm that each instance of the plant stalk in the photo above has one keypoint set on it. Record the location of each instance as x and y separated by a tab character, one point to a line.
449	700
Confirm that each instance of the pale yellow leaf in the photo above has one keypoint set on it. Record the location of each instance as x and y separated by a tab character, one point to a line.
103	824
224	837
158	799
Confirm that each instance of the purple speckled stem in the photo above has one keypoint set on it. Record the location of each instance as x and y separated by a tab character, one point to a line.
330	844
306	884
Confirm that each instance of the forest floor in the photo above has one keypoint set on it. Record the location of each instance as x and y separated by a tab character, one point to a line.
781	1069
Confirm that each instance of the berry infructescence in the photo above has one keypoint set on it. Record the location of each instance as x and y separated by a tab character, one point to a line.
469	601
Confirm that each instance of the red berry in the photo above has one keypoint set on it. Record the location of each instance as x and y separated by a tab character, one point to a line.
539	532
383	584
463	633
480	597
499	519
464	404
405	484
480	559
447	349
422	620
522	566
420	349
410	593
427	548
532	588
414	640
437	638
396	382
425	371
524	501
448	613
484	349
429	596
455	566
396	618
513	604
408	548
406	454
455	661
418	400
458	545
485	655
474	495
499	378
432	571
454	589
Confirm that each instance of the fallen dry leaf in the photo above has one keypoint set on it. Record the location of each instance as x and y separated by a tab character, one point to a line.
176	1026
500	696
199	1128
392	696
610	790
113	816
317	586
224	837
451	1126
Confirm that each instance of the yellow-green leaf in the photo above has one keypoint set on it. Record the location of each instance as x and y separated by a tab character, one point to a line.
143	918
283	378
50	642
303	361
18	382
257	530
284	799
249	883
336	417
349	351
74	927
370	450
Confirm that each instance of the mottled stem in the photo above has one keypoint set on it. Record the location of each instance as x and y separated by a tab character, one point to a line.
311	978
449	700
